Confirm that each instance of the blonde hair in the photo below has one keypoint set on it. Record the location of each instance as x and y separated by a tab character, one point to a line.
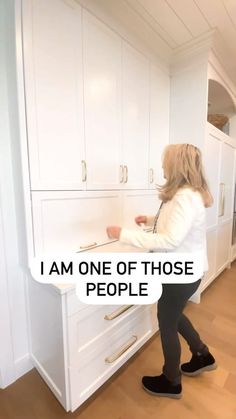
182	165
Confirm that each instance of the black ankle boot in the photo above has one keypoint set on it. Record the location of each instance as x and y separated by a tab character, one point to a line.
161	386
198	364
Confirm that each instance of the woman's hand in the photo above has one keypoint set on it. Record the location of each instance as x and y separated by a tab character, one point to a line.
140	219
113	232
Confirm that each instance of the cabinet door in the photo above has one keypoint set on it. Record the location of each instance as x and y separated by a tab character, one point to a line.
135	118
223	246
226	185
211	255
102	95
73	221
211	161
159	123
54	93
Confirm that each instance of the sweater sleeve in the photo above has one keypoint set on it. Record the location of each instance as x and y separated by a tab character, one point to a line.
179	223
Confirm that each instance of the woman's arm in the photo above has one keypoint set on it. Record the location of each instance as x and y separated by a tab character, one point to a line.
177	227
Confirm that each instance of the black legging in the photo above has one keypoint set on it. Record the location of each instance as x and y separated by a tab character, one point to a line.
171	321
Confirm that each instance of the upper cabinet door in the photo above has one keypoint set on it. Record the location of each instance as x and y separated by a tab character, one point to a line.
159	123
226	183
102	100
135	118
54	93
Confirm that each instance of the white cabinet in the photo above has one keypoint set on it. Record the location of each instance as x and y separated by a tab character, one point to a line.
116	99
135	118
54	93
77	351
223	251
159	123
211	162
72	221
219	162
96	363
211	254
88	102
226	193
219	157
102	100
190	99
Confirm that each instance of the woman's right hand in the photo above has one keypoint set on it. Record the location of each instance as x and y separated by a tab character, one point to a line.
141	219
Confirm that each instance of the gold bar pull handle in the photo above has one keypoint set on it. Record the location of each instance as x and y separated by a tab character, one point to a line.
151	175
117	313
84	170
222	200
121	173
87	246
126	174
122	350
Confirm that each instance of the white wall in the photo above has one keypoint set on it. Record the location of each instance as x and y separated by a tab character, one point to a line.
14	358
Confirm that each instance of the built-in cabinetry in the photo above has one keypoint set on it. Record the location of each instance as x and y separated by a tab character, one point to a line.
77	347
219	160
97	116
192	92
97	113
89	107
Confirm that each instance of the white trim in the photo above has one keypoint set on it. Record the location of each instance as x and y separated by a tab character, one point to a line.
7	370
22	366
23	127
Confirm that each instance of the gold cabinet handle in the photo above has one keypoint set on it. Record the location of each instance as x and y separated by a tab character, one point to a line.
117	312
84	170
121	173
222	200
123	349
151	175
126	174
87	246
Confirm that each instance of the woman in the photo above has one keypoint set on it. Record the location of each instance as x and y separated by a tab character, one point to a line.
179	226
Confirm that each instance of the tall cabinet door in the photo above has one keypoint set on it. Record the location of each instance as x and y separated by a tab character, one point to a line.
54	93
135	117
102	95
159	123
211	160
226	183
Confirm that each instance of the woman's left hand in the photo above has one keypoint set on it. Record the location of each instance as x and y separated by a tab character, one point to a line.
113	232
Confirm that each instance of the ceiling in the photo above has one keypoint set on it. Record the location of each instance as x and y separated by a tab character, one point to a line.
178	22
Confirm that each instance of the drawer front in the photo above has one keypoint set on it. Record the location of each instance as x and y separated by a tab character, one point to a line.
95	365
90	324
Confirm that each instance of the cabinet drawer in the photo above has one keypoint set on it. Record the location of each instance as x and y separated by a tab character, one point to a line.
90	324
95	365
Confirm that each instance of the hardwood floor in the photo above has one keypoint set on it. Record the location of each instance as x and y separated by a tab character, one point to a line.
209	396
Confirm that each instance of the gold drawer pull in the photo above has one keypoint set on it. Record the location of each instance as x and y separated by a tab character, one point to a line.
151	175
123	349
87	246
117	312
121	173
222	200
126	174
84	170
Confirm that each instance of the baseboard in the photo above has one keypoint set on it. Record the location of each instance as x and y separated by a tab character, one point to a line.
23	365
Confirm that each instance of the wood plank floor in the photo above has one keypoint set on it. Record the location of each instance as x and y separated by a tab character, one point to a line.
209	396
